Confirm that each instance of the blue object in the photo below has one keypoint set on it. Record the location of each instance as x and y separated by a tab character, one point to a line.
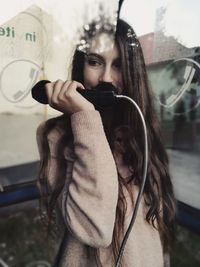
17	193
187	216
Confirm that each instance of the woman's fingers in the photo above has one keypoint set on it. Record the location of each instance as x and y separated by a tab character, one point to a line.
49	90
69	88
63	93
52	90
64	97
60	90
57	86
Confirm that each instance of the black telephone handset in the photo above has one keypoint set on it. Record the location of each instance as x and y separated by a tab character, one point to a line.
101	96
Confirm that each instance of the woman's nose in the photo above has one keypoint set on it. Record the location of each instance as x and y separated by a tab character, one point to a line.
106	75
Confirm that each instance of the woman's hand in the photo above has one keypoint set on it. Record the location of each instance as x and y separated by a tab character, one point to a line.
64	97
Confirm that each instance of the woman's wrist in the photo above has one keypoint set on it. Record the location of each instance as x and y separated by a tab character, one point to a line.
88	107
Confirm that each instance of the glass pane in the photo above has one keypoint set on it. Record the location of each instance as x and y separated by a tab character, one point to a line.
37	41
171	47
168	31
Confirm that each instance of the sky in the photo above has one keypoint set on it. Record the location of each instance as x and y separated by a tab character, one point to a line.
182	18
181	21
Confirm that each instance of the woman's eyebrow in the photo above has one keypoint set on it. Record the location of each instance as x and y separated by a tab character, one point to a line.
95	55
117	59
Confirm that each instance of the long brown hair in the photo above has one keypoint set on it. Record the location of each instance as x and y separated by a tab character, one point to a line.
158	191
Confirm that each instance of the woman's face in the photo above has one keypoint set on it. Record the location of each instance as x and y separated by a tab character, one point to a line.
103	63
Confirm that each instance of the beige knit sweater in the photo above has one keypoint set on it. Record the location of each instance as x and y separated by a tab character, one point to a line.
89	199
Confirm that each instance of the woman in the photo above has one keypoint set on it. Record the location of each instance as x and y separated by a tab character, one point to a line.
92	161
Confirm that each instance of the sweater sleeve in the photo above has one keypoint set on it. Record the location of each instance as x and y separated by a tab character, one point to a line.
89	201
52	139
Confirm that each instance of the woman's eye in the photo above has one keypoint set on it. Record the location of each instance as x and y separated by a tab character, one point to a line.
94	62
117	64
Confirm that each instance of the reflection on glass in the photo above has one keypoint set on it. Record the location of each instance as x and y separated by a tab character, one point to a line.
171	44
183	75
174	71
37	39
